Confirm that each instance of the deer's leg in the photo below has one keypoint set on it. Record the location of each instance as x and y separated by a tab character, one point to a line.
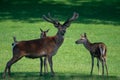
51	65
9	64
92	65
98	66
41	65
106	66
102	67
45	65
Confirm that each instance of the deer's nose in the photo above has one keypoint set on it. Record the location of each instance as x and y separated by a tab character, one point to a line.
76	42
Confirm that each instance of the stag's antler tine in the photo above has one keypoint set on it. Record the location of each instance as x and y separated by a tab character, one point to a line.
54	20
47	19
50	17
68	21
75	16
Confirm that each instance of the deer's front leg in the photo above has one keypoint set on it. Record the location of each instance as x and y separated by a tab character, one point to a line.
92	65
51	65
41	65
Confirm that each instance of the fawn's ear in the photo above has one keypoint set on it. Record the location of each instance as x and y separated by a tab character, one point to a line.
41	30
47	30
85	35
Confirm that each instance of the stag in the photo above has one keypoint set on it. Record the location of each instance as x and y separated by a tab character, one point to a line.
97	50
43	34
37	48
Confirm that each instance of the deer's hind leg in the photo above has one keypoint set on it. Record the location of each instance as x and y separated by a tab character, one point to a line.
13	60
105	65
98	66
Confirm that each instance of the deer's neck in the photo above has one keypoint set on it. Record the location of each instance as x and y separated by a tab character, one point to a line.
59	39
87	45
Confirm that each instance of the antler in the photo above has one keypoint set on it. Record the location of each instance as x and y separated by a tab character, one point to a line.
50	19
41	30
68	21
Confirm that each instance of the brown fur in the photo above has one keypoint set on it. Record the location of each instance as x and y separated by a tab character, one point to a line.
47	46
97	50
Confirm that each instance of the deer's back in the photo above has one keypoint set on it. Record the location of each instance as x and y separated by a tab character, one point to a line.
35	48
95	49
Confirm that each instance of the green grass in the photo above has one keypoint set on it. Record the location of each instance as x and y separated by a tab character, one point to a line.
72	62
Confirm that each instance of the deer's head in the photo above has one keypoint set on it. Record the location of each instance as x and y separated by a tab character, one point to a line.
61	27
83	39
43	33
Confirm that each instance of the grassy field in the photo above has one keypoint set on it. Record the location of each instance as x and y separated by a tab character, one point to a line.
98	18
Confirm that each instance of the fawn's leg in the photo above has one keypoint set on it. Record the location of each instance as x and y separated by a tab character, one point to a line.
98	66
102	67
92	65
41	65
106	67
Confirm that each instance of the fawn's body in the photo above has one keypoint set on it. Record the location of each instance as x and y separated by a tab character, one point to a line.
97	50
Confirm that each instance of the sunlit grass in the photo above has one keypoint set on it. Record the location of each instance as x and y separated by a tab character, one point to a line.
71	61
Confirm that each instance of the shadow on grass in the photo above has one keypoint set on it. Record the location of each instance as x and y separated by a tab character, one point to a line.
58	76
91	11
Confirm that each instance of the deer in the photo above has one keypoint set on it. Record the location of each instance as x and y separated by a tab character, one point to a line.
43	34
97	50
37	48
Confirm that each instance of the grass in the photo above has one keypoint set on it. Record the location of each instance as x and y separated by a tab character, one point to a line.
72	62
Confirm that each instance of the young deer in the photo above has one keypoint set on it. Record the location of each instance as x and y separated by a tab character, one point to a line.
43	34
37	48
97	50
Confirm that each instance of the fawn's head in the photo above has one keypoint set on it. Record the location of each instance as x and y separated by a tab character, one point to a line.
61	27
43	34
83	39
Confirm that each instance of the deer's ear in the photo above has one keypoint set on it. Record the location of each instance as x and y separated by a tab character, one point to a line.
41	30
47	30
85	35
